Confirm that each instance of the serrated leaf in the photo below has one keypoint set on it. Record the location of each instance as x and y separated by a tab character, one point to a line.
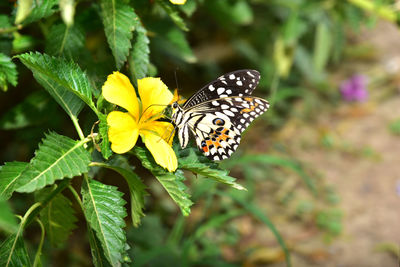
103	130
8	72
139	57
136	187
57	157
40	9
119	21
8	222
32	110
65	41
190	160
96	249
173	14
13	252
104	211
58	217
63	79
172	182
10	173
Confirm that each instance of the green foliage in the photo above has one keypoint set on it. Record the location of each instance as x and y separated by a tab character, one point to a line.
190	159
172	182
139	57
394	127
64	81
103	130
8	72
58	217
67	41
58	157
13	252
10	174
173	14
40	9
104	211
8	221
136	187
119	21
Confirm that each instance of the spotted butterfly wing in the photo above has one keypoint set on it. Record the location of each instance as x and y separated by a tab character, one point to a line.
217	124
235	83
219	112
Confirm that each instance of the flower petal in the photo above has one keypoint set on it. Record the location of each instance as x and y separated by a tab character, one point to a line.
119	90
178	2
154	92
161	128
162	152
123	131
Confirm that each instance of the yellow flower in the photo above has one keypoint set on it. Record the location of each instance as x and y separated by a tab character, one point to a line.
178	2
141	118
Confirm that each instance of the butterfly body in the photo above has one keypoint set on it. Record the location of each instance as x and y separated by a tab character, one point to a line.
219	112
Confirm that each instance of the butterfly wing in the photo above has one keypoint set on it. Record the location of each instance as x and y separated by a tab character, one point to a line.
236	83
218	124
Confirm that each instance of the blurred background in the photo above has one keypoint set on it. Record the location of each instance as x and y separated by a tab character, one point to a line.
322	166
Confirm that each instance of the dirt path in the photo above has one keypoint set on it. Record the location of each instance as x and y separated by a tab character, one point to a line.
363	165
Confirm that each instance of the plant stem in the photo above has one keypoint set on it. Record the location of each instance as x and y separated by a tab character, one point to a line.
10	29
382	11
76	195
39	250
77	127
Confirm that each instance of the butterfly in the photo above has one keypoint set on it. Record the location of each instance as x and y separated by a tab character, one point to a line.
219	112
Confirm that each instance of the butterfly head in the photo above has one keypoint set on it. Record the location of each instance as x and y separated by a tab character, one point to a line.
177	112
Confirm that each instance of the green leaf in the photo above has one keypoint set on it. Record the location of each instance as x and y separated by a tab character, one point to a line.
172	182
34	109
64	80
104	211
196	163
23	10
65	41
40	9
136	187
8	222
8	72
57	157
139	57
13	252
119	21
103	130
322	46
98	256
180	46
58	217
173	13
228	12
10	173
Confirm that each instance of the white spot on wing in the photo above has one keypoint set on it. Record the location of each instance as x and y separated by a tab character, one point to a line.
215	103
229	91
232	76
220	90
229	113
211	88
239	83
224	106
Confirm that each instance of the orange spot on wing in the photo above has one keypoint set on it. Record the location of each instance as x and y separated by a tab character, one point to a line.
205	149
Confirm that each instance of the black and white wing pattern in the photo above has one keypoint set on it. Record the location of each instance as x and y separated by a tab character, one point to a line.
235	83
218	124
219	112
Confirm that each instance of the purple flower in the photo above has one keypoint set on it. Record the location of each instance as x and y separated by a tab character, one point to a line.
355	88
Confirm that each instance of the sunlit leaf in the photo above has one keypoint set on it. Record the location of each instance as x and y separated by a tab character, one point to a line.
136	186
104	211
322	46
67	8
58	157
8	72
196	163
119	21
58	217
10	173
64	80
23	10
172	182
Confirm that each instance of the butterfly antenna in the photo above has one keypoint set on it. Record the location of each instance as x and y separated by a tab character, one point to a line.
176	79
